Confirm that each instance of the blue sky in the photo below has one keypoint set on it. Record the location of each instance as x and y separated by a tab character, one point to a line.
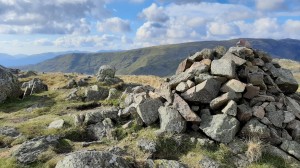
36	26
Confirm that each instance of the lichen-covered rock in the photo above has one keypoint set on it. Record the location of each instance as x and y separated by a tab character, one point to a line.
99	114
220	127
95	93
207	162
9	131
223	67
184	109
29	151
57	124
162	163
100	130
93	159
255	129
170	120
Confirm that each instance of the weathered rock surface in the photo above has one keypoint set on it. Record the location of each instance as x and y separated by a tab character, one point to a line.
106	74
203	92
223	67
148	110
92	159
207	162
57	124
291	147
220	127
184	109
255	129
29	151
233	85
100	130
162	163
95	93
9	131
171	121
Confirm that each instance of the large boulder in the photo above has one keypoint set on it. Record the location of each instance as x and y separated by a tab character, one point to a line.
171	120
106	74
220	127
35	86
100	130
203	92
9	85
92	159
148	110
29	151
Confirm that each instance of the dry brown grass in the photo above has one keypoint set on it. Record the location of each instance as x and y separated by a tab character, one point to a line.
254	150
153	81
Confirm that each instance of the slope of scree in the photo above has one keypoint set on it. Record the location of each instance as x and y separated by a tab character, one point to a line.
227	94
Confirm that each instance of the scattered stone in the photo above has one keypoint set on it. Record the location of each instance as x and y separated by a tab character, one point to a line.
171	121
82	82
99	114
57	124
9	131
100	130
233	85
223	67
29	151
220	127
113	94
147	145
70	84
35	86
85	159
148	110
203	92
106	74
184	109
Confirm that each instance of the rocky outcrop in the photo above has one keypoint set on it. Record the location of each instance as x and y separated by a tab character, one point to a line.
9	85
95	93
106	74
34	86
93	159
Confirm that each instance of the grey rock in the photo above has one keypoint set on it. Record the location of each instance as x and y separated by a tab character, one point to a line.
233	85
148	110
127	111
237	60
223	99
257	79
288	117
72	95
219	51
203	54
57	124
258	62
170	120
240	161
223	67
35	86
185	64
279	153
95	93
166	92
82	82
220	127
291	147
203	92
242	52
9	131
259	112
207	162
273	70
205	76
70	84
276	117
230	108
99	114
105	71
113	94
286	81
255	129
147	145
182	77
251	91
78	119
92	159
29	151
184	109
293	106
244	112
100	130
198	68
182	87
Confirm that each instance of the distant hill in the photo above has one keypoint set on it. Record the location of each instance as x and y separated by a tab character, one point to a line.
159	60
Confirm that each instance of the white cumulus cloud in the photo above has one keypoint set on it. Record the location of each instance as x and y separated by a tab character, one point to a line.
114	24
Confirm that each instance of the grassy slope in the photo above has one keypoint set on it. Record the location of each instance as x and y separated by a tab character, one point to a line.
159	60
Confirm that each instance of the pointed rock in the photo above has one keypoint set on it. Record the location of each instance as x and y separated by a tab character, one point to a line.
184	109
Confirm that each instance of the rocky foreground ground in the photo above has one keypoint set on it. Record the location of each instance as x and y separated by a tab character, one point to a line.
223	108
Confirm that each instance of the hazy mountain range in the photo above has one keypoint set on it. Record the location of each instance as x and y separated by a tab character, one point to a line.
159	60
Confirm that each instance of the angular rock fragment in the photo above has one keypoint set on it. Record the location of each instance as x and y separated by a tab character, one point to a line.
233	85
291	147
237	60
220	127
255	129
230	108
203	92
184	109
244	112
185	64
171	121
223	99
148	110
223	67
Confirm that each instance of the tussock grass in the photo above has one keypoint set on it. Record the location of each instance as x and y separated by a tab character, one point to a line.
151	80
254	150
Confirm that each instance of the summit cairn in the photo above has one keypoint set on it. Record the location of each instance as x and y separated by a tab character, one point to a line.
240	93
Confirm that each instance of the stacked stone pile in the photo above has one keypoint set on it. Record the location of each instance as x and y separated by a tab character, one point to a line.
225	94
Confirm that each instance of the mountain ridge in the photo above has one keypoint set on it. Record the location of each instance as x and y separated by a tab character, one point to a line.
157	60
